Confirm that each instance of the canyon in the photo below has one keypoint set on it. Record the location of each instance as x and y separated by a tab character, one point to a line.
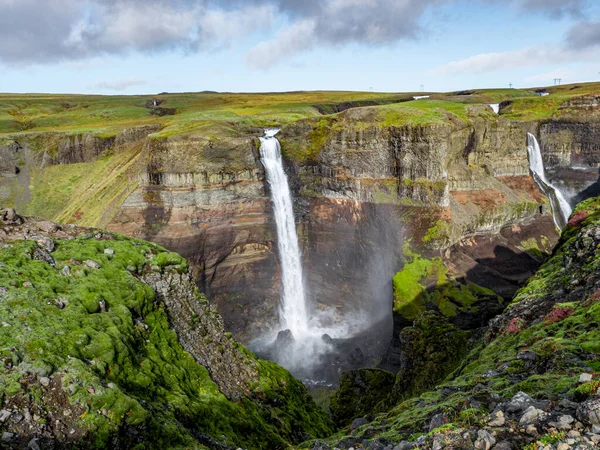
423	231
368	183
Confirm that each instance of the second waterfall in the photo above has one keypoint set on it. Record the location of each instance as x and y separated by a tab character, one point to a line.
294	315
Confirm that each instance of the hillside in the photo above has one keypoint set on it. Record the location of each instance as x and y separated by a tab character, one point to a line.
106	343
531	383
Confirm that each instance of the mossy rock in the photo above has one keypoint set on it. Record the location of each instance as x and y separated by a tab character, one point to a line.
97	342
359	394
424	284
431	349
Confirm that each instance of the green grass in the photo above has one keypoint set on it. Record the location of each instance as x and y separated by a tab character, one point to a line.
85	193
121	363
106	115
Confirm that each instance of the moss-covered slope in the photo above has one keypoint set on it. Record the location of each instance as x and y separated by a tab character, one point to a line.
541	345
90	359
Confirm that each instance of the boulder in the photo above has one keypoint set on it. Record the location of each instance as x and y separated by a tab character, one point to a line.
485	441
589	411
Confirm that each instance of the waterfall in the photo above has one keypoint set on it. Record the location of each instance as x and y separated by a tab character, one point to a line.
293	313
561	210
495	107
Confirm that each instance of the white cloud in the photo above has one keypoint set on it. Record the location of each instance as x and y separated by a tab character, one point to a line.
525	57
117	85
298	37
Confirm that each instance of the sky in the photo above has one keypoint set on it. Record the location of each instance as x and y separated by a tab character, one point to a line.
151	46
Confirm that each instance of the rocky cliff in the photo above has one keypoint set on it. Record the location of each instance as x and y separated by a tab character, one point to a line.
450	177
530	383
105	341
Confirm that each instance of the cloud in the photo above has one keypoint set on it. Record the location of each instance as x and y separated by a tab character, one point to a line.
548	77
514	59
553	8
338	22
117	85
487	62
42	31
46	31
585	34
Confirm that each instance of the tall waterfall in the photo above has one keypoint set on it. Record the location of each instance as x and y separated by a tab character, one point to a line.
293	313
561	210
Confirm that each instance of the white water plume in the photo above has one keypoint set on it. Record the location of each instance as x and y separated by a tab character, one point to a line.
304	343
495	107
293	308
561	209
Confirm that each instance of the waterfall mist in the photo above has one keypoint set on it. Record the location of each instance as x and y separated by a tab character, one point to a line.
306	335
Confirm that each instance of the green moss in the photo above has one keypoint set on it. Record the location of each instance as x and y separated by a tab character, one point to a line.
433	348
360	393
439	232
122	362
425	282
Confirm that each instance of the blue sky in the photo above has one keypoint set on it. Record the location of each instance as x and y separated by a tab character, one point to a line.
150	46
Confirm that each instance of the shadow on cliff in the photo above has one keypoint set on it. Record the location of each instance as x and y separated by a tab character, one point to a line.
506	271
504	274
591	191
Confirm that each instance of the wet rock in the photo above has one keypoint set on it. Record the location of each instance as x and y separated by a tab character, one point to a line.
285	338
589	411
485	441
327	339
356	356
356	423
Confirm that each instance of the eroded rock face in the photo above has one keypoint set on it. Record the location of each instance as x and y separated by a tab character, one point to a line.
367	191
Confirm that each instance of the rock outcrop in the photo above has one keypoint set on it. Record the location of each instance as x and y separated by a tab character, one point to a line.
106	341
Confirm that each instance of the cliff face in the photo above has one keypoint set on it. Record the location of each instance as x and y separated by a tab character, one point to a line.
362	184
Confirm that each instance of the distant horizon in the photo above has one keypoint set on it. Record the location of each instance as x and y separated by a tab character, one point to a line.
416	93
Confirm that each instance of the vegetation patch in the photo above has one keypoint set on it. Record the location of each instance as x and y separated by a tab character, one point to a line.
83	319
